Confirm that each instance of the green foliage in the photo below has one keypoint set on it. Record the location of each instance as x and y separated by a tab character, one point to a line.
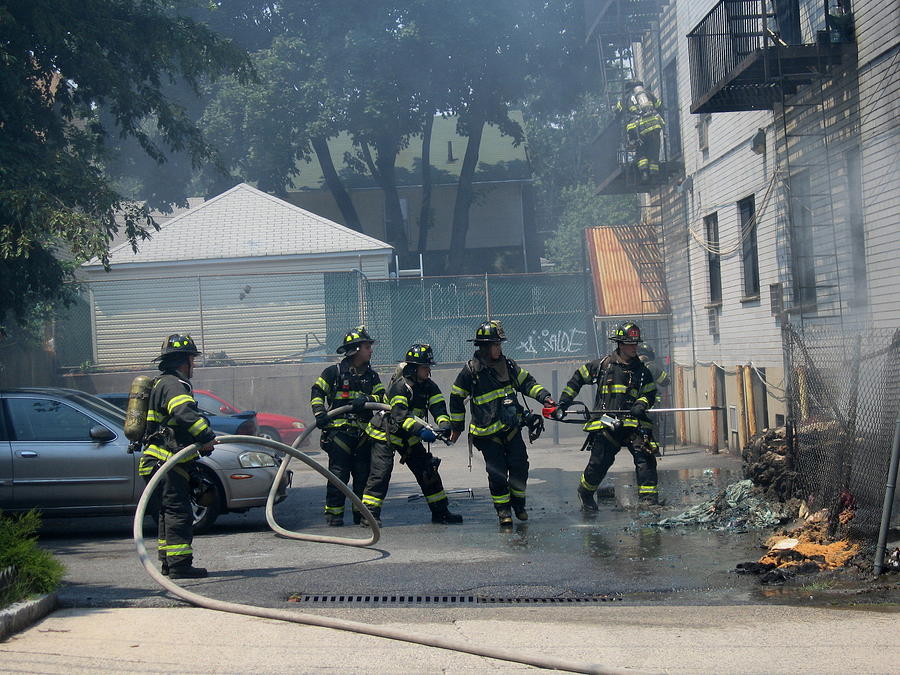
73	73
36	570
583	208
560	145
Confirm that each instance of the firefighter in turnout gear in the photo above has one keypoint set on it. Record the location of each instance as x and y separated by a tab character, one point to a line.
350	382
174	422
491	382
639	112
623	383
412	393
648	356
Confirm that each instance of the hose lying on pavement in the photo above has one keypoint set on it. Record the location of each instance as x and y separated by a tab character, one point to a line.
334	480
548	662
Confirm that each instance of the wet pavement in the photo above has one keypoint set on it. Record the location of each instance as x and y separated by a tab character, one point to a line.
558	553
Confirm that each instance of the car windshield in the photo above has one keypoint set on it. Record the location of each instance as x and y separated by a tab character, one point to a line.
98	406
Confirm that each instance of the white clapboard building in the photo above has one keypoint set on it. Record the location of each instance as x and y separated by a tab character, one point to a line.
244	273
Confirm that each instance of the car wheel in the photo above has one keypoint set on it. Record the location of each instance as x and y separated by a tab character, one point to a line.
269	432
205	516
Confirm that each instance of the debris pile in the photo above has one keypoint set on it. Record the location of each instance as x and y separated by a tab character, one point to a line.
768	464
805	550
740	506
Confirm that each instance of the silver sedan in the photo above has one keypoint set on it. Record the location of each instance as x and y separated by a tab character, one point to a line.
64	452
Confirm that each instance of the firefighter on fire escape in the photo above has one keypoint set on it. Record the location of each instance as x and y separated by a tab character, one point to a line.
638	110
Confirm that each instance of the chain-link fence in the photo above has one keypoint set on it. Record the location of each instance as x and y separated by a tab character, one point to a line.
844	403
544	316
294	318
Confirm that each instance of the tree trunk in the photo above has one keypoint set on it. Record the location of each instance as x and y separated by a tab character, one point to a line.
425	215
383	170
464	195
334	183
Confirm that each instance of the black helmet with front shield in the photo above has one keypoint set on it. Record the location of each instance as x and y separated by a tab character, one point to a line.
489	332
353	339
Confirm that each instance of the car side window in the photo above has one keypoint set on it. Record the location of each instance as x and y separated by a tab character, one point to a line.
4	436
207	403
43	419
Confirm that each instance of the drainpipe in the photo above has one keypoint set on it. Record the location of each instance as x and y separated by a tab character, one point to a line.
890	488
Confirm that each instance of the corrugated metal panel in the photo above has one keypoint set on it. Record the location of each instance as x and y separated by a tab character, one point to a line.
131	318
248	317
627	270
263	317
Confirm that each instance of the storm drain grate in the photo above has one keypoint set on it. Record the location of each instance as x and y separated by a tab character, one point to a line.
445	600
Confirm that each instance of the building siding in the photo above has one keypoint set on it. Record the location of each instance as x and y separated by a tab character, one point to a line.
878	33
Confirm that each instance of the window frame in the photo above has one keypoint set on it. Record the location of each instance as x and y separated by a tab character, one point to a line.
749	248
713	260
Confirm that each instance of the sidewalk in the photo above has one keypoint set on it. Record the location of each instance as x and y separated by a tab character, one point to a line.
728	639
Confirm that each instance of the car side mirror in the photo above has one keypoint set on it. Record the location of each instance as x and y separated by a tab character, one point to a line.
101	434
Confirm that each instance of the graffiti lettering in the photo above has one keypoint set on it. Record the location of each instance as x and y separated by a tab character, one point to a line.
557	342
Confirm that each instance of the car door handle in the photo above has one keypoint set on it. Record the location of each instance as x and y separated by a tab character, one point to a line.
28	453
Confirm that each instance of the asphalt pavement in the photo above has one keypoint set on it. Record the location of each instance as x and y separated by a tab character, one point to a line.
611	590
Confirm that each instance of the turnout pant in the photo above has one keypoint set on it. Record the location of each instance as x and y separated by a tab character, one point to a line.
349	457
506	460
420	462
176	515
605	446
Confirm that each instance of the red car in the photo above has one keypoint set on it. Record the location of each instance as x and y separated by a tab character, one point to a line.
277	427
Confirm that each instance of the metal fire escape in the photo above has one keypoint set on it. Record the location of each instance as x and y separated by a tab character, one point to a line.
750	55
619	30
614	28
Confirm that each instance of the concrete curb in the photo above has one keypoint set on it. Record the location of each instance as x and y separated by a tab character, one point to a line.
23	614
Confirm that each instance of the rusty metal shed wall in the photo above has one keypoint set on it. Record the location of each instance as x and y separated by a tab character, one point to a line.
627	270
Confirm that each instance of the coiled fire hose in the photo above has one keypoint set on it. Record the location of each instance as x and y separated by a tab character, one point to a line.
548	662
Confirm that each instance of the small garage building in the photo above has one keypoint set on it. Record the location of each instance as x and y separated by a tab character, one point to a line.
244	273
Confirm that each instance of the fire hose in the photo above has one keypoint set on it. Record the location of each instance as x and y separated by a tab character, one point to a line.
584	415
548	662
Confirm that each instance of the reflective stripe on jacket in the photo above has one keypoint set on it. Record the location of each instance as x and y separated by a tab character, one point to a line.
619	386
486	391
173	419
338	385
408	399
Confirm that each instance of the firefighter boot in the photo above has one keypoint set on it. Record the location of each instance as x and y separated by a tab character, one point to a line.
334	519
376	514
357	517
588	504
505	516
164	569
187	572
441	513
518	507
649	499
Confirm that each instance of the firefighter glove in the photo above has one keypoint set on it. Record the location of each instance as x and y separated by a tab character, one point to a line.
560	411
322	420
359	403
427	435
206	450
638	409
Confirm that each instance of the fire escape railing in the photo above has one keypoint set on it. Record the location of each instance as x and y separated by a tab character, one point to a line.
731	31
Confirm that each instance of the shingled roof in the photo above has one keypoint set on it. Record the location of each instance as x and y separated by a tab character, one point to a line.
243	222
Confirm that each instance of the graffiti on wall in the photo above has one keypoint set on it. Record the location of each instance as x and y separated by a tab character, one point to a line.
547	342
